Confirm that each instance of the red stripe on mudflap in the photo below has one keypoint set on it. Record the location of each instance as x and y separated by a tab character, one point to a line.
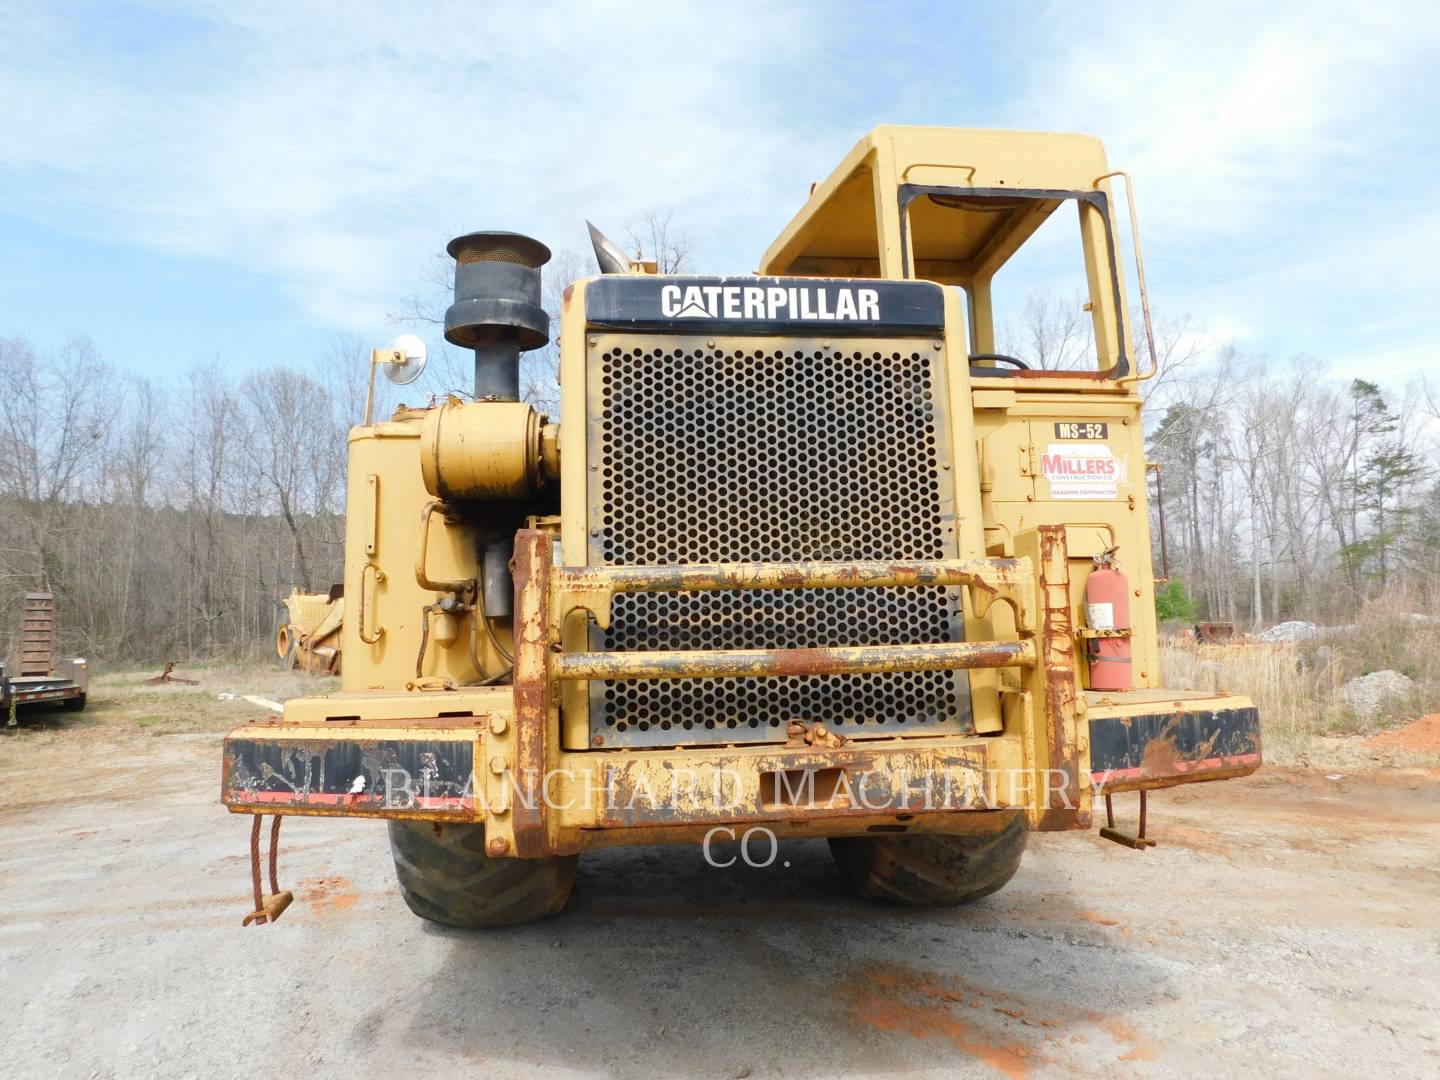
421	802
1175	747
1204	765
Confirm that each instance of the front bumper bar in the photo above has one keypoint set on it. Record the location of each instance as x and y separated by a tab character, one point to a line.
554	604
495	755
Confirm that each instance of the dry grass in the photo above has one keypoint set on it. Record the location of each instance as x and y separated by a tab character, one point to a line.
52	755
1296	686
126	703
1294	701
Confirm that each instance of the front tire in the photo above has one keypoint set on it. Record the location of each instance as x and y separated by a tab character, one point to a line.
446	877
285	645
931	869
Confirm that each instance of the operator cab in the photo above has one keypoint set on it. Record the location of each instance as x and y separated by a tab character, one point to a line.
962	208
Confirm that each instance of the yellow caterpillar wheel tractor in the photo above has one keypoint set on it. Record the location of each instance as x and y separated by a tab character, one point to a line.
803	553
308	632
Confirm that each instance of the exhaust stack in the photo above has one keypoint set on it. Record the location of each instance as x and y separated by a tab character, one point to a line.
497	310
608	255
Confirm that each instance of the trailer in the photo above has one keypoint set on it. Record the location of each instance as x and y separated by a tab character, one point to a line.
41	678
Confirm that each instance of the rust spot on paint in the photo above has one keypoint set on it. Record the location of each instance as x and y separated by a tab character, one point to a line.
1161	756
531	682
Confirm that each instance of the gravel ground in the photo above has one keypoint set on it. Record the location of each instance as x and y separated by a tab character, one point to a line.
1287	925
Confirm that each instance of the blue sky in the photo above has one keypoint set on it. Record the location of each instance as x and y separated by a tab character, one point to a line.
238	183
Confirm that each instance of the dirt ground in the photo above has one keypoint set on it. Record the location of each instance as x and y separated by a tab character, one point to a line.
1287	925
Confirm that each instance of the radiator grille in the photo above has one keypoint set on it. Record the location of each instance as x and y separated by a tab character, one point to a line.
734	452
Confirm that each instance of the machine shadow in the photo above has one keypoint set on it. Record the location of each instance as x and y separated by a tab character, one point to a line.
663	964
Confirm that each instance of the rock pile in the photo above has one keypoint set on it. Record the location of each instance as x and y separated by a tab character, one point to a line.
1367	694
1295	630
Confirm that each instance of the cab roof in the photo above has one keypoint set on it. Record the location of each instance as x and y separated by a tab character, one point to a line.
837	232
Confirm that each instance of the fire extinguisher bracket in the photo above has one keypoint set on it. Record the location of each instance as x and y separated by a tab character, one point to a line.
1107	631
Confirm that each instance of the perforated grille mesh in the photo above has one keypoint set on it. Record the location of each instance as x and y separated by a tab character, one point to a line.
737	453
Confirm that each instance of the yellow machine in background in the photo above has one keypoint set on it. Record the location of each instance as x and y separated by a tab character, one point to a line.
308	636
804	554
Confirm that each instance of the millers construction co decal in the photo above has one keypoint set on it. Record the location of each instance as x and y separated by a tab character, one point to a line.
1082	471
753	305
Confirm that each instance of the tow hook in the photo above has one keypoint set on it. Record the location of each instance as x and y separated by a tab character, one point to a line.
802	733
1139	841
268	907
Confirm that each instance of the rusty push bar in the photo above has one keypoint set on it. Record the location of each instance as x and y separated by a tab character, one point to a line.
790	575
547	596
745	663
987	580
591	588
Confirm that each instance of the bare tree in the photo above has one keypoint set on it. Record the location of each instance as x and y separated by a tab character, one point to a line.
1179	348
54	422
291	445
345	369
1052	334
654	235
138	456
426	305
540	370
208	440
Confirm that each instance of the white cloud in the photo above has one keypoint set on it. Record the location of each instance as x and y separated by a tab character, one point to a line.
1284	158
1227	111
336	148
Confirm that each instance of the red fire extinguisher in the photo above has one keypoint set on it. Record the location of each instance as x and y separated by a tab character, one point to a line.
1107	607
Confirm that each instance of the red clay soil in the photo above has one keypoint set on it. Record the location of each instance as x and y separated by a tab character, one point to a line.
1422	735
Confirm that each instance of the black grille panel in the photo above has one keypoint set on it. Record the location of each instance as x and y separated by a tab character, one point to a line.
738	453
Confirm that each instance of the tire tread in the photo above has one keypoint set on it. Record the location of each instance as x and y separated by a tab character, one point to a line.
446	877
930	869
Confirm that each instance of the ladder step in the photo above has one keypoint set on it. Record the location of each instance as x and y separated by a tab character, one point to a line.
37	634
